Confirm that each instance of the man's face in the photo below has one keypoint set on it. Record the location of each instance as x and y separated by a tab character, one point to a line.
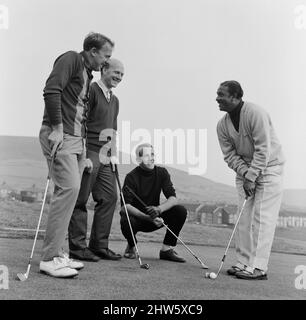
113	75
147	159
99	57
225	100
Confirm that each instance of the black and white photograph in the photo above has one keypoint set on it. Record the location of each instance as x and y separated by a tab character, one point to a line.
152	155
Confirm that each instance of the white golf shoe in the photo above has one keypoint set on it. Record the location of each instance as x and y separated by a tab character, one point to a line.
58	268
78	265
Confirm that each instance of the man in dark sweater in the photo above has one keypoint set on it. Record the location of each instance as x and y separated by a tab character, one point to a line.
147	181
101	150
66	96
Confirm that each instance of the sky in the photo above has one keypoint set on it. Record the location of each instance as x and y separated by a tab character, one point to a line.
175	53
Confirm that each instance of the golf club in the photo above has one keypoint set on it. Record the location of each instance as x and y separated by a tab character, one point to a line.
142	265
24	276
204	266
229	242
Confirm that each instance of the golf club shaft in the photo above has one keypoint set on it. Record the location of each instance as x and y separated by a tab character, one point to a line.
126	212
41	212
144	205
233	232
184	244
38	225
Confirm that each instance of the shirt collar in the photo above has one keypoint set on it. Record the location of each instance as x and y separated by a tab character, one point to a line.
86	64
104	88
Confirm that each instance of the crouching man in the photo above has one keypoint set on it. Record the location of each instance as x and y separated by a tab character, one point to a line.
147	181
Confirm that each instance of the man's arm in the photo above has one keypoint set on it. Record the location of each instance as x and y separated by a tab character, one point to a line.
57	81
60	75
136	213
233	160
168	191
259	123
168	204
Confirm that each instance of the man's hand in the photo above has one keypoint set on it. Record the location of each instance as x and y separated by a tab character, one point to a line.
249	187
113	162
158	221
153	211
88	166
56	138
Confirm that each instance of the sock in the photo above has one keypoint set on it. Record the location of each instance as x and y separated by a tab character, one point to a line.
165	247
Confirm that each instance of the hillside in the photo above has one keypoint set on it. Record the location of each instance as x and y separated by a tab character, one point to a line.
22	165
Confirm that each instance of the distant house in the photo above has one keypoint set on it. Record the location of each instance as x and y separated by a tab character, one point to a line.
191	208
5	190
204	213
31	194
225	214
295	222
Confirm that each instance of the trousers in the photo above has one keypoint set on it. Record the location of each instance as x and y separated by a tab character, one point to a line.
174	218
66	174
101	182
255	230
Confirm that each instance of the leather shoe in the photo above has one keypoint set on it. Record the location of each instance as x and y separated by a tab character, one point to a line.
85	255
255	275
129	252
233	270
107	254
170	255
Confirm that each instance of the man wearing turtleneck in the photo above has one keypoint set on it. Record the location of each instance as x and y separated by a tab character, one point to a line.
147	181
251	148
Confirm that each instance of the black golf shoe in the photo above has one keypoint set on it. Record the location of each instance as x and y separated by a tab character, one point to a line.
106	254
170	255
129	252
85	255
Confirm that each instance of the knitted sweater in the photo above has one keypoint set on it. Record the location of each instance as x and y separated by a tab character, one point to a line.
148	186
102	119
255	147
66	93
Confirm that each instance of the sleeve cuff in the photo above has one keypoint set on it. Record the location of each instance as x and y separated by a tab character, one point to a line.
251	175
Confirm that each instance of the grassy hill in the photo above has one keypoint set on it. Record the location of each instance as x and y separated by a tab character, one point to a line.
22	165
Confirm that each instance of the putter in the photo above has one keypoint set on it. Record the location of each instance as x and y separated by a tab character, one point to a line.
24	276
229	242
142	265
204	266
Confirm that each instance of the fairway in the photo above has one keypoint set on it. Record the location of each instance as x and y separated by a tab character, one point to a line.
124	280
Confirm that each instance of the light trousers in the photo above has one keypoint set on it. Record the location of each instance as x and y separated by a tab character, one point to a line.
255	231
66	175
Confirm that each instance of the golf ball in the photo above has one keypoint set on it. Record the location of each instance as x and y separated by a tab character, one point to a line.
210	275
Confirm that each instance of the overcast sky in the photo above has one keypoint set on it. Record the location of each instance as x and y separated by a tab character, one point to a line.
175	52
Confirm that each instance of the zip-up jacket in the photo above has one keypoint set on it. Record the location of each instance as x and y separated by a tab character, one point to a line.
66	93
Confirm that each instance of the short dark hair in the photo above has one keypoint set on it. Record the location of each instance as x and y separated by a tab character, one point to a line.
96	40
234	88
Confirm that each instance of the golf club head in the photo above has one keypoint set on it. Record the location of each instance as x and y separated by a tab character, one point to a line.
145	266
21	276
204	266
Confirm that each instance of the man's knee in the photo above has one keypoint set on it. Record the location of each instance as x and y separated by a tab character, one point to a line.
100	197
180	211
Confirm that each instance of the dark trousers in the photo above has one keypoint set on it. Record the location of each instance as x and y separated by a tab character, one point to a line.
102	183
174	218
